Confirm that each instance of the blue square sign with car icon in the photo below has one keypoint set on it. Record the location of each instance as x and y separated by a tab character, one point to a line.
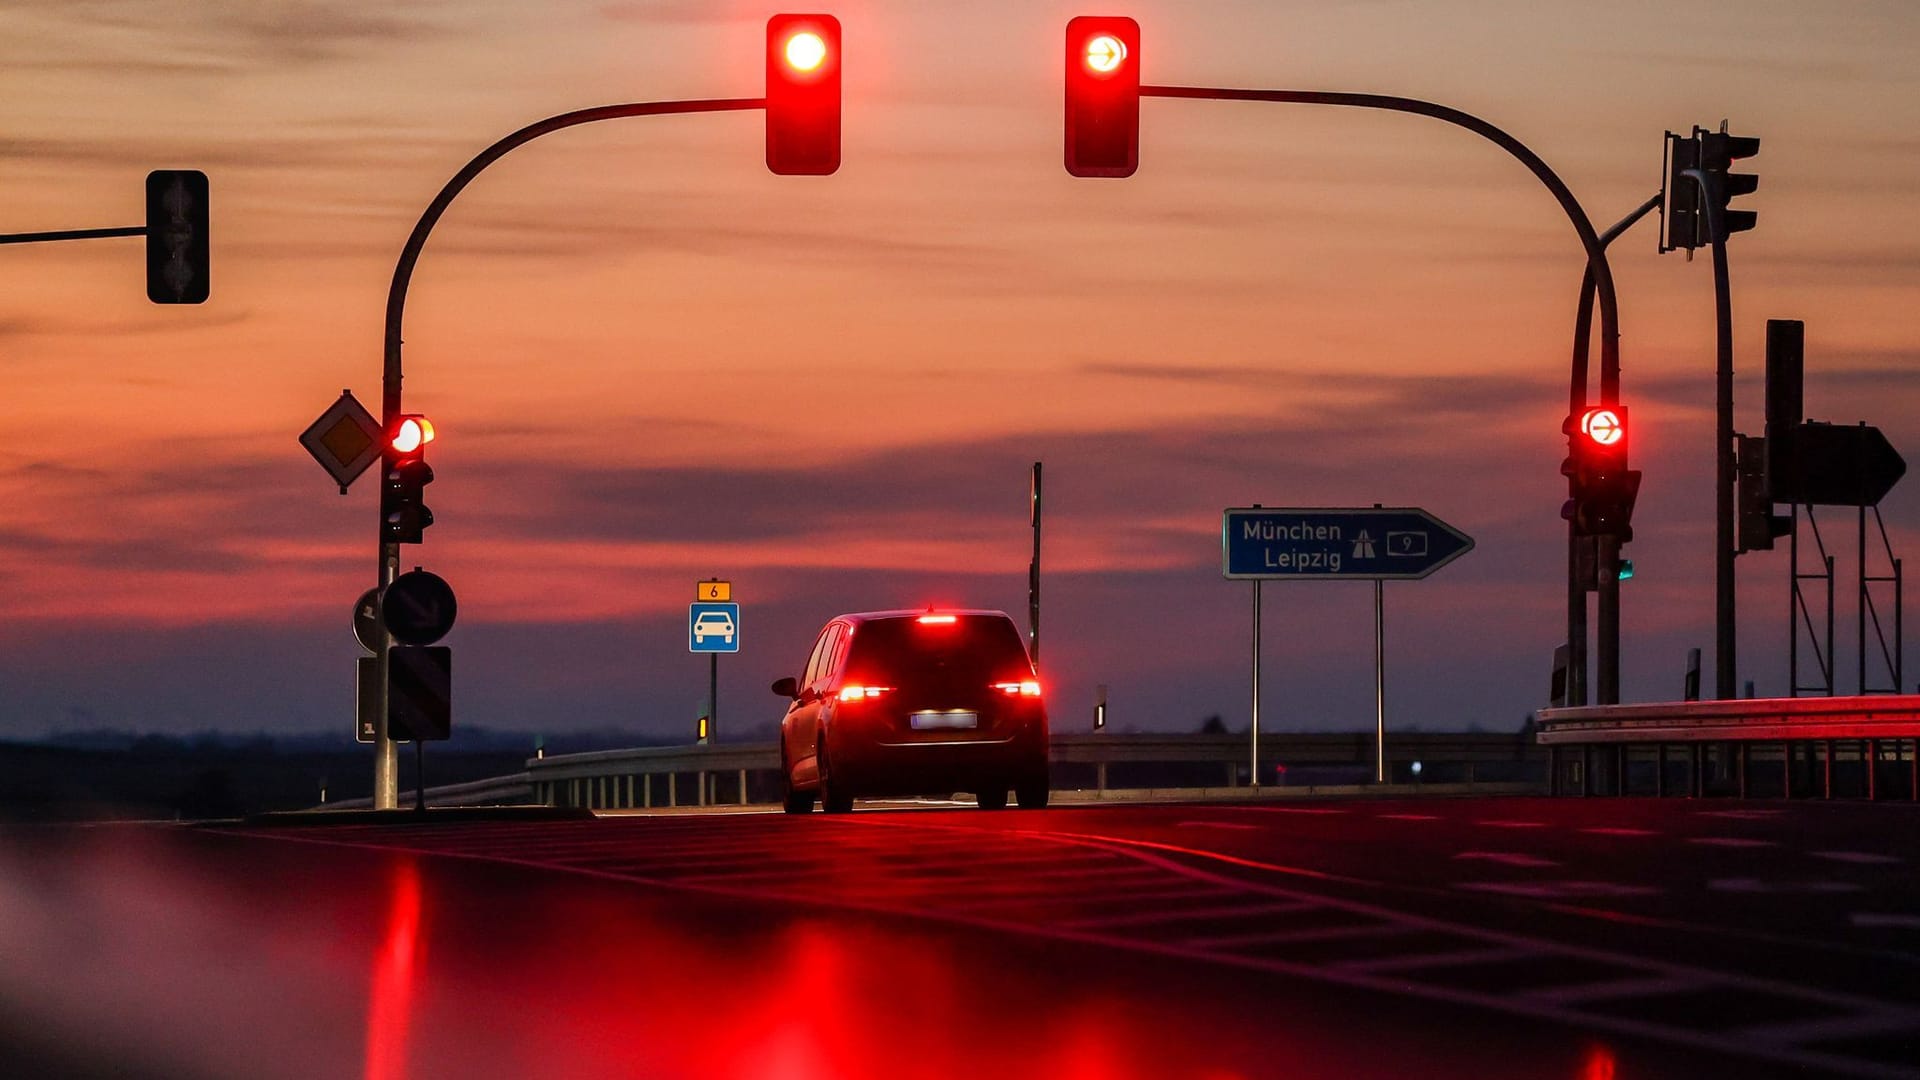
713	628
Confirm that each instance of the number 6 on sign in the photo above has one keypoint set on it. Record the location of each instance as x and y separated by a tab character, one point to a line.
714	591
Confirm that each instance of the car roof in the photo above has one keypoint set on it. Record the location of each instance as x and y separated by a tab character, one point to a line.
858	617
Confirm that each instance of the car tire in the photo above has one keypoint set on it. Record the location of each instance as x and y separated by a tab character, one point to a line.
992	798
834	799
1032	796
798	802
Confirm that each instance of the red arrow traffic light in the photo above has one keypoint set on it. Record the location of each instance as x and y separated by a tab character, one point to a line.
1103	96
803	95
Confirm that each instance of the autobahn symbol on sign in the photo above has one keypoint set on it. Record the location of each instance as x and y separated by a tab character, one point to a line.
713	628
1371	543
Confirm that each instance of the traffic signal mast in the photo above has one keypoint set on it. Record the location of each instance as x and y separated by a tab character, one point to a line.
404	516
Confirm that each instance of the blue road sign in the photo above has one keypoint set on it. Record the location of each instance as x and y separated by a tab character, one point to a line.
713	627
1372	543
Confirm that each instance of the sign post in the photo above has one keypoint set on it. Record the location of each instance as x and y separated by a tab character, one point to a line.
1375	544
713	627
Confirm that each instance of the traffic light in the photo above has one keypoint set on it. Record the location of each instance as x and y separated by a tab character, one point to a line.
403	516
177	270
1103	96
1759	525
803	95
1603	489
1680	201
1718	152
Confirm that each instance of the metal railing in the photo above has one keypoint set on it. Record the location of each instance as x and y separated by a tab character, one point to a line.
749	773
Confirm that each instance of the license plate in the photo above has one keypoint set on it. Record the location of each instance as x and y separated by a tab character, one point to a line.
940	721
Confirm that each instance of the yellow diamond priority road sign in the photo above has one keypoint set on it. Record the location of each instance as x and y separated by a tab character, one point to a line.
345	440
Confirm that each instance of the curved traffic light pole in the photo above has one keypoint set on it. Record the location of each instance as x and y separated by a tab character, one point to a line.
1724	668
1607	571
386	785
1598	279
1589	240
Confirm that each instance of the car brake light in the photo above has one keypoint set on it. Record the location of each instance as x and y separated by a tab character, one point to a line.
862	693
938	620
1028	688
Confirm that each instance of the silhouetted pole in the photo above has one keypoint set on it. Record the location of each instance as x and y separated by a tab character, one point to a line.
1033	574
386	790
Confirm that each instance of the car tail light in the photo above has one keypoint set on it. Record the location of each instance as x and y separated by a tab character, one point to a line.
1027	688
938	620
862	693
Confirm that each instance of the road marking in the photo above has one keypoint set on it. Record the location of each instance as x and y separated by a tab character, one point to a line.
1740	815
1408	817
1500	824
1858	858
1455	958
1223	911
1299	937
1507	858
1880	920
1215	825
1618	830
1730	842
1638	986
1833	1027
1755	885
1314	810
1554	890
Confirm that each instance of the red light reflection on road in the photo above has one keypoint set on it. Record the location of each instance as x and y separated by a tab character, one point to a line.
1600	1064
391	998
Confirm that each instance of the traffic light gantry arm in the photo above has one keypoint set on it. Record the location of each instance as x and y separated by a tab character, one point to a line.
417	240
1589	240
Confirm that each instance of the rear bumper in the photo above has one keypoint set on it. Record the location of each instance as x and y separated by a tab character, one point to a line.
869	766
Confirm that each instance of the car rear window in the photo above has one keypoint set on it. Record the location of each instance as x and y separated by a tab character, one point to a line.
972	651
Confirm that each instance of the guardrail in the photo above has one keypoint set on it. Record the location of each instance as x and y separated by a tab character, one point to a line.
1798	744
748	773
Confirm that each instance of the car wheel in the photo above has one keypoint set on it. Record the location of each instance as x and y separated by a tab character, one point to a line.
834	799
798	802
1032	796
992	799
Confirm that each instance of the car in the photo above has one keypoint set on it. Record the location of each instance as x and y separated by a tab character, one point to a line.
712	624
933	702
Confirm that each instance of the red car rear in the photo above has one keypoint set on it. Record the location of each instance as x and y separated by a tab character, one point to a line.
915	703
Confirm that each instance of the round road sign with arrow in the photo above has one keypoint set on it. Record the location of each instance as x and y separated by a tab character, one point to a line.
418	608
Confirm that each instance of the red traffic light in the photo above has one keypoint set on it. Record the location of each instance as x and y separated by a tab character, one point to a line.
411	434
1103	96
803	95
1604	426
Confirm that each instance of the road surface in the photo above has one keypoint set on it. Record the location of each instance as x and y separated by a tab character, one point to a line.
1588	939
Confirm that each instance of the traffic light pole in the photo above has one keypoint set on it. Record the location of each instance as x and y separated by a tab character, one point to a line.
386	787
1607	548
1033	577
1725	666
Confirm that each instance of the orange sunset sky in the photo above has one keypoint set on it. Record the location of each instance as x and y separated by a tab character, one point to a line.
651	361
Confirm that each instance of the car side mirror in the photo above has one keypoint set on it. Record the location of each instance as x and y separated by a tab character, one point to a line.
787	687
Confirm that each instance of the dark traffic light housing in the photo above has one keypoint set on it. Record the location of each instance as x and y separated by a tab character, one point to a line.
1684	203
177	249
1602	488
803	95
404	517
1103	96
1759	526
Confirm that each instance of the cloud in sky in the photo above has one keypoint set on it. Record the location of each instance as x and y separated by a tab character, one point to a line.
651	361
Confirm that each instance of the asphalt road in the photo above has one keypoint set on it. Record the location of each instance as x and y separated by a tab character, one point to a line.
1593	939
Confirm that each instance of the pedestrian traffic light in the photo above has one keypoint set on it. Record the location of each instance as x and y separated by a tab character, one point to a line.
177	260
1601	486
1759	526
1718	152
403	516
803	95
1103	96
